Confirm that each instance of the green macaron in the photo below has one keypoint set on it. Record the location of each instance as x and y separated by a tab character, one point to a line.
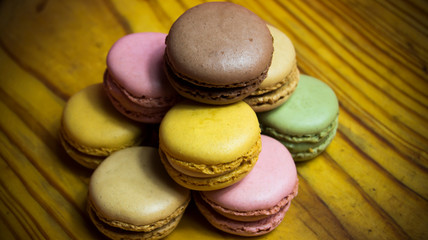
306	123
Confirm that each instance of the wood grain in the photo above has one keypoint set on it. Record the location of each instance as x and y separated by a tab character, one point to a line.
371	183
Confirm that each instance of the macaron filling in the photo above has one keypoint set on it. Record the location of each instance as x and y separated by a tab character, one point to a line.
95	151
214	181
312	138
306	146
137	108
253	215
213	93
290	77
89	161
242	228
275	94
201	170
119	230
144	228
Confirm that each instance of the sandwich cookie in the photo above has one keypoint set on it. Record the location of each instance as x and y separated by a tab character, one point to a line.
208	147
132	197
134	79
282	77
257	204
91	129
307	122
218	53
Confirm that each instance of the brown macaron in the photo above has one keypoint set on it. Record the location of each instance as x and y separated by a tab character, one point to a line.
218	53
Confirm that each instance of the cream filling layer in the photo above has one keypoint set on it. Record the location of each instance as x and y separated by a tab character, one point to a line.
96	151
207	171
292	76
140	228
255	215
309	138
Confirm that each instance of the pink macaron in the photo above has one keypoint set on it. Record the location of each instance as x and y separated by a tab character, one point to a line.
135	81
257	204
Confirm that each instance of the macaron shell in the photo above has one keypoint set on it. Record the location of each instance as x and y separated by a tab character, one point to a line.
211	95
132	187
311	108
283	58
188	129
135	62
219	44
273	178
92	125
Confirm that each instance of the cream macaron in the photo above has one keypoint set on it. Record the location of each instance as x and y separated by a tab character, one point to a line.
132	197
282	77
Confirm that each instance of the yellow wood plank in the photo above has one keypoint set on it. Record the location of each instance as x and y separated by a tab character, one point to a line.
405	171
65	205
377	66
35	99
31	111
351	79
359	215
64	42
387	193
5	231
21	204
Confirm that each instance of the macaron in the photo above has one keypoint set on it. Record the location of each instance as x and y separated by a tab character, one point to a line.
307	122
208	147
282	77
135	81
218	53
91	129
257	204
132	197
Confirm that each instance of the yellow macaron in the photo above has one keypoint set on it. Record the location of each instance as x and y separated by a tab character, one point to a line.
92	129
207	147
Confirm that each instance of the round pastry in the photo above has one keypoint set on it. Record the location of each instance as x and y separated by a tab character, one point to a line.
257	204
282	77
218	53
307	122
135	81
91	129
132	197
207	147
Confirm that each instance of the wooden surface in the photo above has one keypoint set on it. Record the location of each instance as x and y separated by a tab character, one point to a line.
371	183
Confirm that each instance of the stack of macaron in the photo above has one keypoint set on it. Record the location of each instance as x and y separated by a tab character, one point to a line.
216	107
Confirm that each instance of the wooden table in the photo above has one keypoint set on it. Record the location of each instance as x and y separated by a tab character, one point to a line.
371	183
